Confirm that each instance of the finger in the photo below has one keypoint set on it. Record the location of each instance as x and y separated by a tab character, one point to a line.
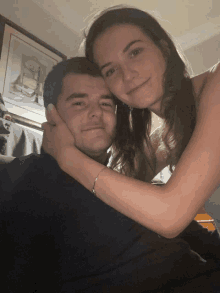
53	115
47	127
49	119
45	143
44	125
48	115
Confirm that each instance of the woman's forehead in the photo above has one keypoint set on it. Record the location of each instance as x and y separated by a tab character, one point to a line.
116	39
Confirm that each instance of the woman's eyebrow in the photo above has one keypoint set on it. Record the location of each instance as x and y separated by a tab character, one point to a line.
105	65
124	51
130	44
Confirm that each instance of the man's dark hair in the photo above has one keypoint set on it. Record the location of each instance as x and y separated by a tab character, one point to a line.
54	80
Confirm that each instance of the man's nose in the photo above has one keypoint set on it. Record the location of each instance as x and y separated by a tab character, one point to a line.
95	110
129	73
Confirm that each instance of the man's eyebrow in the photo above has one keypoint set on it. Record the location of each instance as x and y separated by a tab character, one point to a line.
109	97
76	95
124	51
84	95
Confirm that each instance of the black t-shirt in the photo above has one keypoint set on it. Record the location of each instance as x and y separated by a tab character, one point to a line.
56	234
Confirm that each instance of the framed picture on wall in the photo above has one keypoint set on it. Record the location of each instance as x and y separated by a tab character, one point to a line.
24	66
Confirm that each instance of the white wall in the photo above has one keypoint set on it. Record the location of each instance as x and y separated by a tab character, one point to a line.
40	23
204	55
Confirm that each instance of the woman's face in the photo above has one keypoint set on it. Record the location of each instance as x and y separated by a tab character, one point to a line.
132	66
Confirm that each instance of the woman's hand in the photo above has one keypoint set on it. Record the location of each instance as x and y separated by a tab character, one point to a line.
57	136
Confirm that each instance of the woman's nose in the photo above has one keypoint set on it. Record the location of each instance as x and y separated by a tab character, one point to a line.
129	73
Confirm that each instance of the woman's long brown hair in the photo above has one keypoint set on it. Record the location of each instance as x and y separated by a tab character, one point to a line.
178	102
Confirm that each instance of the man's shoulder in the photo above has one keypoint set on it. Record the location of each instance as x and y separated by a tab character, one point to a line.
21	163
17	169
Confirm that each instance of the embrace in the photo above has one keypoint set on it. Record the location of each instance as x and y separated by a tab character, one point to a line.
84	215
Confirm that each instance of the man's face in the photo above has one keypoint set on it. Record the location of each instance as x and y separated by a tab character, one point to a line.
88	109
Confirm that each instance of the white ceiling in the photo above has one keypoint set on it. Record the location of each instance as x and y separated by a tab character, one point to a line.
60	23
189	21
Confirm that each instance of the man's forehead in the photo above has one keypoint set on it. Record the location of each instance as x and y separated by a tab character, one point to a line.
84	85
85	81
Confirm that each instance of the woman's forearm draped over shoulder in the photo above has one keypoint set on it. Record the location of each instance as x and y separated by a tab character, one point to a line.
127	195
168	209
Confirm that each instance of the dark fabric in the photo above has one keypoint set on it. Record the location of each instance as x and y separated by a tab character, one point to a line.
17	141
55	234
208	283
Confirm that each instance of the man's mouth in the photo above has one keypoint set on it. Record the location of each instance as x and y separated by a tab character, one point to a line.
137	87
93	128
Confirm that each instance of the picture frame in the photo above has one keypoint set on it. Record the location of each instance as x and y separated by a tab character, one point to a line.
24	65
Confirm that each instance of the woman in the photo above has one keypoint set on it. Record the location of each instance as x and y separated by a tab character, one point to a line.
142	67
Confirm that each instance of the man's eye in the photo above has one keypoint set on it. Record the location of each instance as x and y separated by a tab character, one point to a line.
107	104
78	104
135	52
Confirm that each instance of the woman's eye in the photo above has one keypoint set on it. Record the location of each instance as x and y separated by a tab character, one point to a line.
110	72
135	52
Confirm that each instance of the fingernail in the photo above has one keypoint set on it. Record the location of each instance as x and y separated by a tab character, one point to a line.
50	107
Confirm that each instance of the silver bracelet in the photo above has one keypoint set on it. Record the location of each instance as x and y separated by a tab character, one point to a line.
93	189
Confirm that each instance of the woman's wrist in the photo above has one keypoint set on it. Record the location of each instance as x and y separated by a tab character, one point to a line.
70	161
65	156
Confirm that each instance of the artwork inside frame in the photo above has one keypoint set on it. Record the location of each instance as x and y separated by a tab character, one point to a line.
24	66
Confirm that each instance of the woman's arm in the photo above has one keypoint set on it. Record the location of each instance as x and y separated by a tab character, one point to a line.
168	209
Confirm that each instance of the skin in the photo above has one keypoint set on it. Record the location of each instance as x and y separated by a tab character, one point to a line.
88	109
166	210
129	62
132	66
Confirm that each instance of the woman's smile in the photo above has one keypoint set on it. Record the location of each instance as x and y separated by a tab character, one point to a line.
138	87
130	62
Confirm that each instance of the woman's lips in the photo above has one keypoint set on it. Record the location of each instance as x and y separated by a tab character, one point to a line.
138	87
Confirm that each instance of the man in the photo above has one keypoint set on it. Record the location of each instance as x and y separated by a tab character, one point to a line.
56	236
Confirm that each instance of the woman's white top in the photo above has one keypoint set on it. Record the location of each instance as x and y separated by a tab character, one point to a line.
212	205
